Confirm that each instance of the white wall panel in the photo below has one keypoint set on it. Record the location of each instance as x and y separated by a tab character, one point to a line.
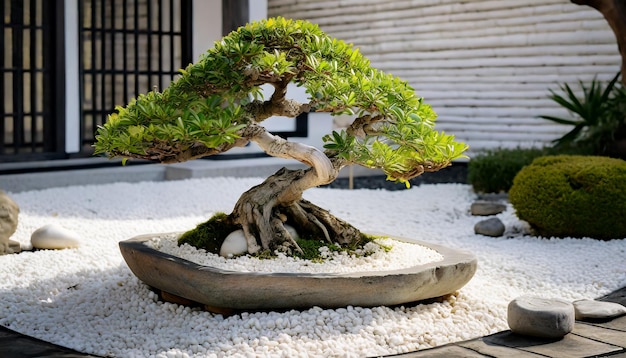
486	66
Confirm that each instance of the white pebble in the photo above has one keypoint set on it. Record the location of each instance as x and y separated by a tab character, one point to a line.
54	237
234	244
107	303
375	257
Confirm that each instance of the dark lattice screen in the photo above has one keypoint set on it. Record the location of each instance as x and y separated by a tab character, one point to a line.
28	38
128	47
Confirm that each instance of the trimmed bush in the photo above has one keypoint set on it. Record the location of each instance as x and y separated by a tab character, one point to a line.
493	171
572	196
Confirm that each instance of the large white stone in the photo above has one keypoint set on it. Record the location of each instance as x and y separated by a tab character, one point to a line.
591	309
541	317
54	237
234	244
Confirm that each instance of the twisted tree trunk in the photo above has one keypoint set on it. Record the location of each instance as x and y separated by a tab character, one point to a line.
614	11
263	211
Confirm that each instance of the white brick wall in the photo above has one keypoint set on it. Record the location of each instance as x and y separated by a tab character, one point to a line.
484	65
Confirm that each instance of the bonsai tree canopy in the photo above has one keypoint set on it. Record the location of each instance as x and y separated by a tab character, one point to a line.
217	104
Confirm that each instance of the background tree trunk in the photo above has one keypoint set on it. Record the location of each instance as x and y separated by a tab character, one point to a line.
614	11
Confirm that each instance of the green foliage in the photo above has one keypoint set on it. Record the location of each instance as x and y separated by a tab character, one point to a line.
398	149
152	123
493	171
598	114
577	196
209	235
211	104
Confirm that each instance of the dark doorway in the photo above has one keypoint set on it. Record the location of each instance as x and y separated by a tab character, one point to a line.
31	101
128	47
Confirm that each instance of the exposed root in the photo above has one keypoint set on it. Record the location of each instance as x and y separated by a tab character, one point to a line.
334	229
253	247
263	217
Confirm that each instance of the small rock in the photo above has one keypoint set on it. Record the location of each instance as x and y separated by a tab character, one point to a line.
541	317
501	196
234	244
591	309
9	211
15	246
486	208
54	237
490	227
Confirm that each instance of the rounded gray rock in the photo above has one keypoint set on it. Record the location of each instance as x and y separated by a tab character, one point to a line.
490	227
591	309
486	208
541	317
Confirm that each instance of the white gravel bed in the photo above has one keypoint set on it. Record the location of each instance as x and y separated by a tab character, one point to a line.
383	254
87	298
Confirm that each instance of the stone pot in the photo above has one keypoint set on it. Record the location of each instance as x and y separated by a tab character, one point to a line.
218	288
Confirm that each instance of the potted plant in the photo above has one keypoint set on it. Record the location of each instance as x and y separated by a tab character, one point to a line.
217	104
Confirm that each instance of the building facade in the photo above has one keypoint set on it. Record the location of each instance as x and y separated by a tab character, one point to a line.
486	66
67	63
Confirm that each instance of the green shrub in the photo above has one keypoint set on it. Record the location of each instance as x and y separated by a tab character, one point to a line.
598	116
572	196
493	171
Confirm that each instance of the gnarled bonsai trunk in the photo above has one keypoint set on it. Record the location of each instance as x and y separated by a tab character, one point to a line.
263	211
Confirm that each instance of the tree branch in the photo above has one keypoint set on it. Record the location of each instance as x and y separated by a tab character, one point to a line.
262	110
322	169
363	126
278	104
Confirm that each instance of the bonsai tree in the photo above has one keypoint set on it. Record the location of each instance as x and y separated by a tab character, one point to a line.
217	104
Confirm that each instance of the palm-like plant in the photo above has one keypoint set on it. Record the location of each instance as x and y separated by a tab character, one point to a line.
598	113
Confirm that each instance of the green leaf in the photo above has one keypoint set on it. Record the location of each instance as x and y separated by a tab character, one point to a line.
560	120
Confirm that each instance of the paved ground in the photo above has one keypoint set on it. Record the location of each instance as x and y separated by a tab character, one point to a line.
595	339
588	339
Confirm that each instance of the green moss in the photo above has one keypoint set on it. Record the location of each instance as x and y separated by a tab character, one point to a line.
577	196
209	235
310	248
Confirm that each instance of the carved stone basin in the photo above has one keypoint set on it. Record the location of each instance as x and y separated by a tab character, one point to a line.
258	291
